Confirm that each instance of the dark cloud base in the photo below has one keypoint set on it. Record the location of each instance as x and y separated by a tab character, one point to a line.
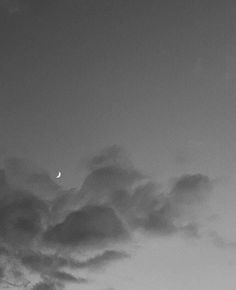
43	226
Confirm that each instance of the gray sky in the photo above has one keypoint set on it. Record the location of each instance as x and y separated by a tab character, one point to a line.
155	77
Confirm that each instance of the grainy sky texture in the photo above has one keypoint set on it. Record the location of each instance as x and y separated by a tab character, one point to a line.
135	103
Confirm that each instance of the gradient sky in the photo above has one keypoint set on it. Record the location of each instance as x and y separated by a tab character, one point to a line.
155	77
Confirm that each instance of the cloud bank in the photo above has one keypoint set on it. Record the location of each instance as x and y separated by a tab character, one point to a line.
44	227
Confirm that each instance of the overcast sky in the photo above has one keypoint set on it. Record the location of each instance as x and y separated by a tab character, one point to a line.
135	103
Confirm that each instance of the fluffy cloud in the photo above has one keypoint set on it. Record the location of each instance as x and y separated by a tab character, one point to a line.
138	201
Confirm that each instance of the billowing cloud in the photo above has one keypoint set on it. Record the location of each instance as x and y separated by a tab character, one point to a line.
180	206
43	227
137	200
92	225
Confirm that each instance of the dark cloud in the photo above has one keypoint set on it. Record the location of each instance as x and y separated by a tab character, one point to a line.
178	208
91	225
39	262
24	215
98	188
21	217
108	172
42	225
189	189
1	272
4	251
160	221
101	183
139	201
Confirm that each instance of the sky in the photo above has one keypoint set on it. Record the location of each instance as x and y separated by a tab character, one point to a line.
134	102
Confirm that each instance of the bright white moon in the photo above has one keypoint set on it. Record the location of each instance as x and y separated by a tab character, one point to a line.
59	174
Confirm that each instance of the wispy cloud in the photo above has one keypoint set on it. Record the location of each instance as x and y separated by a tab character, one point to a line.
100	260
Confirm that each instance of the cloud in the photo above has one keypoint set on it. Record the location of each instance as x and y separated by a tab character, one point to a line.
98	188
101	183
3	251
43	226
40	263
189	189
24	216
139	202
21	217
66	277
160	221
43	263
100	260
92	225
181	206
44	286
114	156
1	272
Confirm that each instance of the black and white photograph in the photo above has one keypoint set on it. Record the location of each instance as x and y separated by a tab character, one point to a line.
117	145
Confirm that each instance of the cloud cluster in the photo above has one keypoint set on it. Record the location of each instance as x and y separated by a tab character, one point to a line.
43	227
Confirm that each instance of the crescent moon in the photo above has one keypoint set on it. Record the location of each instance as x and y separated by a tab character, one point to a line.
59	174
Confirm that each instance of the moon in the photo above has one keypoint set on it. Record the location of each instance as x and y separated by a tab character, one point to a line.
59	174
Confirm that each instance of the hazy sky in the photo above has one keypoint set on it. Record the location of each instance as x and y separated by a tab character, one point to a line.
157	78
